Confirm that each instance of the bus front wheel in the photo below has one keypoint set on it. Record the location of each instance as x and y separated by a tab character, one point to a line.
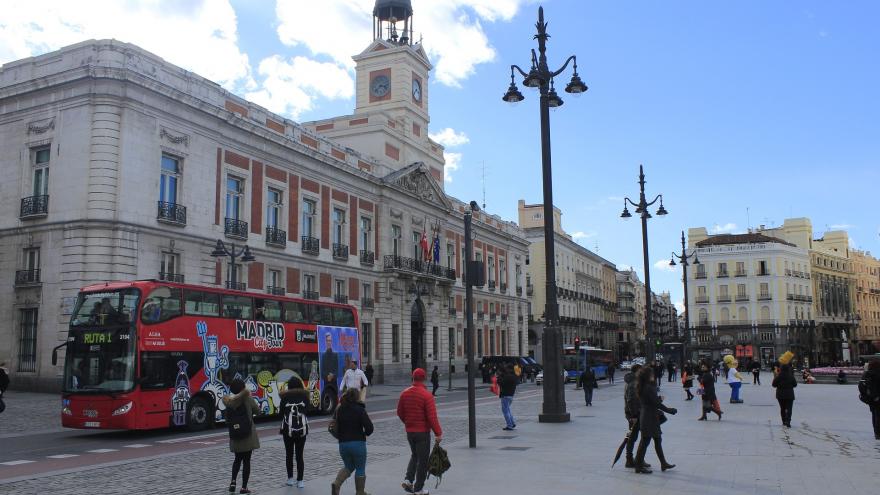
200	414
328	402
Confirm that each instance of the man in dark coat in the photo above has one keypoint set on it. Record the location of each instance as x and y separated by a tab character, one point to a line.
784	383
631	409
587	380
649	421
872	384
707	380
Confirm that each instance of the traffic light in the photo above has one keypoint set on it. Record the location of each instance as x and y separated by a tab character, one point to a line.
657	343
577	344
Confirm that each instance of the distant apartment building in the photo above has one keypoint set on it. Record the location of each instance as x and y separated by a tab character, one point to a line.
631	315
867	302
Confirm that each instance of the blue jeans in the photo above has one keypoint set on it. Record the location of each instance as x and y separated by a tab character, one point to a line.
354	456
588	394
734	390
506	401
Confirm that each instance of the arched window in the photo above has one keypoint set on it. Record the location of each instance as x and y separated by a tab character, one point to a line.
725	315
765	313
743	315
704	317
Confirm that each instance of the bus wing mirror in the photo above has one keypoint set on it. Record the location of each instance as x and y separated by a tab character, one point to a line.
55	353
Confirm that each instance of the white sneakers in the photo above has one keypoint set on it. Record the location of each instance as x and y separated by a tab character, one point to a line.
301	484
290	482
293	481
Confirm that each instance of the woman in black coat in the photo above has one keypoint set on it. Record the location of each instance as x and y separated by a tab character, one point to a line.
707	380
784	383
649	420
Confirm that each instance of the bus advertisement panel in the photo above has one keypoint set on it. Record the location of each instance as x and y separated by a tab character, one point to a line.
338	347
148	354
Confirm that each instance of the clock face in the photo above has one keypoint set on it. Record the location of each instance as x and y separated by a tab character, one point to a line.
417	90
380	86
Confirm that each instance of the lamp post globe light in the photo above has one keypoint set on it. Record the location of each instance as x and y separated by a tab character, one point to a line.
541	77
642	209
221	250
684	259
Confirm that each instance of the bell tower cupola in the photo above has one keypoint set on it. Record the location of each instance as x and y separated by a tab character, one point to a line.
386	15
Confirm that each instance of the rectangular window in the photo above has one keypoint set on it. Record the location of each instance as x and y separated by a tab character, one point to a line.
722	289
308	282
340	289
366	342
169	265
235	272
491	341
491	269
27	341
458	338
275	280
395	343
238	307
32	259
762	268
169	180
479	341
308	217
367	290
502	272
701	291
741	290
740	269
765	289
267	310
366	229
416	246
338	226
201	303
395	240
234	201
436	346
274	204
722	269
701	271
41	171
450	255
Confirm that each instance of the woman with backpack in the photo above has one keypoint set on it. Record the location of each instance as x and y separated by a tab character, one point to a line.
243	439
294	428
353	426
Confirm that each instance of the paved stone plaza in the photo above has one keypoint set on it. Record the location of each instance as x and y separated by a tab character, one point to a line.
829	450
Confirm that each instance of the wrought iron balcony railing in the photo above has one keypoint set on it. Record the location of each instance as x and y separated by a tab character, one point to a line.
724	299
742	297
480	315
27	277
236	228
171	213
367	303
491	285
415	266
765	297
722	274
340	298
171	277
519	291
740	273
236	285
34	207
700	275
310	294
310	245
368	257
340	252
452	311
276	290
276	237
702	299
502	287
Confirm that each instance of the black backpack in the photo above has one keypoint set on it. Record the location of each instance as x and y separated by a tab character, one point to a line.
438	463
239	422
864	391
294	422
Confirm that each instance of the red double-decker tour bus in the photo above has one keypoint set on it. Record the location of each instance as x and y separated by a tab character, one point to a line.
153	354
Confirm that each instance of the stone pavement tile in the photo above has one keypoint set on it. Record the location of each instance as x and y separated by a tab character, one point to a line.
28	412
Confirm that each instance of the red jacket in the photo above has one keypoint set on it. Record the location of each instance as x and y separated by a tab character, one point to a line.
417	410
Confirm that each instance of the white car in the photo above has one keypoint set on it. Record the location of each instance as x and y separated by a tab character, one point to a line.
539	378
626	365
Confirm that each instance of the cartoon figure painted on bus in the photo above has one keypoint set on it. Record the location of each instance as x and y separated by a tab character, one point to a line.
180	397
257	393
314	378
216	359
269	384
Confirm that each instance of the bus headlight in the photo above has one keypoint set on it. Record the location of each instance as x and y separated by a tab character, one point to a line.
122	410
66	411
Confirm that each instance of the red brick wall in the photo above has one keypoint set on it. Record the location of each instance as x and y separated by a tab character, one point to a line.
458	302
365	205
324	127
337	154
366	167
358	121
236	160
325	217
325	285
275	126
218	272
352	226
276	174
293	208
293	280
217	192
255	275
235	107
354	289
339	196
392	151
437	174
311	186
257	198
309	141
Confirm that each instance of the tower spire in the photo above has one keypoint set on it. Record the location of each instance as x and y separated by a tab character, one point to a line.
386	15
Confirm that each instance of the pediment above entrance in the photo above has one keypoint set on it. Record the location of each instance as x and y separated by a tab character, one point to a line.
416	180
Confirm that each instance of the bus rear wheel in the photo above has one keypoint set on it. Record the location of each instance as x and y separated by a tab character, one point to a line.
328	402
200	415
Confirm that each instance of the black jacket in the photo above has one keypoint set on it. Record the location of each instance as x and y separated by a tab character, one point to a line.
707	379
649	423
588	379
631	406
353	423
293	396
872	380
784	382
508	385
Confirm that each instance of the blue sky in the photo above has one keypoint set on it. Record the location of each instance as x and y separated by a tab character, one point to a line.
769	106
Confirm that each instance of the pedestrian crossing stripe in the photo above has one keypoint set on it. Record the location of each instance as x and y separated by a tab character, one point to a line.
136	446
15	463
102	451
62	456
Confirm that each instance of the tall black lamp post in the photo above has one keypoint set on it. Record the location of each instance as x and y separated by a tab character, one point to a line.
642	208
684	258
221	250
469	278
540	76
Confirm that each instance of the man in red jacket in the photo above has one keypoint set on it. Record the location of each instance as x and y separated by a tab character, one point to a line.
418	412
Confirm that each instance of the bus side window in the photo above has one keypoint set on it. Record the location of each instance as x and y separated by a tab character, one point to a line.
267	310
259	362
237	366
157	370
295	312
321	315
239	307
162	304
293	362
201	303
343	317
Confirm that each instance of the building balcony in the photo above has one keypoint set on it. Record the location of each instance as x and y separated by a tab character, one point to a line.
172	213
766	323
723	299
367	257
236	285
503	317
519	291
340	298
452	311
530	289
742	297
702	299
367	303
765	297
171	277
234	228
276	237
722	275
410	265
480	315
34	207
492	316
340	252
502	287
740	273
788	272
492	285
626	293
311	295
276	290
310	245
25	278
700	275
626	309
763	274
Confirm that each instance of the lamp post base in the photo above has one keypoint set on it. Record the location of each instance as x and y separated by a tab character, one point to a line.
554	417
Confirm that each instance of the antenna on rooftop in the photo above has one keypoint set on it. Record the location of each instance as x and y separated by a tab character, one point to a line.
484	185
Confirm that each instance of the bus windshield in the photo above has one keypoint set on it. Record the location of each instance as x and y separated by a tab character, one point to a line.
105	308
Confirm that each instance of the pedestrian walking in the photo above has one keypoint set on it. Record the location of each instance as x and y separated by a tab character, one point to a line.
588	382
869	393
650	420
353	426
687	381
709	399
631	410
784	383
611	370
756	373
508	390
435	381
4	384
243	440
355	378
670	369
368	372
417	410
658	372
517	371
294	428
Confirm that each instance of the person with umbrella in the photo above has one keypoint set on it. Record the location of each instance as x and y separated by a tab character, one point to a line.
650	419
631	409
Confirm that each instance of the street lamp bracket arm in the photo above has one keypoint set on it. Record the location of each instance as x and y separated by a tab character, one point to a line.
659	196
626	199
518	69
568	61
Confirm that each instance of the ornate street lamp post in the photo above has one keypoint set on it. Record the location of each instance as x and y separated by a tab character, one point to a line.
642	208
220	250
540	76
683	258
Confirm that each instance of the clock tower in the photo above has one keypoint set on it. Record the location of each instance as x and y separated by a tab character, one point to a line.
391	116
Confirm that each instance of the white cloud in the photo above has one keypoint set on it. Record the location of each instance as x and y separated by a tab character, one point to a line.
449	138
290	87
679	305
841	226
453	161
663	265
582	235
200	36
453	34
727	228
